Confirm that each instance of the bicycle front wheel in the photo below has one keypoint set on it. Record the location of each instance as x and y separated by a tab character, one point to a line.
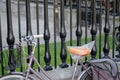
15	77
86	75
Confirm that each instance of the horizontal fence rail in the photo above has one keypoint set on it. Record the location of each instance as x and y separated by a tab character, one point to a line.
63	23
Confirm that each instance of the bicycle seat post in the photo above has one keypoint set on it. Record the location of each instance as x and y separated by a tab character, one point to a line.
75	68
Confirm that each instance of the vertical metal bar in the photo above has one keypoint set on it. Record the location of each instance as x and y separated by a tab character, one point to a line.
65	1
119	26
119	13
47	56
63	53
94	30
106	31
19	30
98	14
56	27
113	34
100	29
79	29
1	54
117	7
86	23
74	3
28	25
10	37
37	22
28	18
19	19
70	28
55	12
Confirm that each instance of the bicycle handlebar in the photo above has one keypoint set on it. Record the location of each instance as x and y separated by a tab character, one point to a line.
30	38
38	36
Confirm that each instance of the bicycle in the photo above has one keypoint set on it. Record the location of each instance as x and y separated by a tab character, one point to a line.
100	69
81	51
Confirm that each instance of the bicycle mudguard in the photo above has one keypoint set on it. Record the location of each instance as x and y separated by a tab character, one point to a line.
113	65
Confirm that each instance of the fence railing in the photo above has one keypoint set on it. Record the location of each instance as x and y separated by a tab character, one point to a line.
61	21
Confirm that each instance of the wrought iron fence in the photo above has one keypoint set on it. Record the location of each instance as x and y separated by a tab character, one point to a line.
63	20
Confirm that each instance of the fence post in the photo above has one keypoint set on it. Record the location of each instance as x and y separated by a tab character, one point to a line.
1	54
106	31
63	53
19	32
28	26
79	29
28	18
71	32
100	29
94	29
10	37
47	56
56	29
38	32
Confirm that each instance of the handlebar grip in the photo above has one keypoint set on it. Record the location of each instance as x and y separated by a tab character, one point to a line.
38	36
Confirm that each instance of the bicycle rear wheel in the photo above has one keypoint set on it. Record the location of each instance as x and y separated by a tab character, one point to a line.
14	77
86	75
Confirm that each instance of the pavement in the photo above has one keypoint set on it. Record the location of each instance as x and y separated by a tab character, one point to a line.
60	74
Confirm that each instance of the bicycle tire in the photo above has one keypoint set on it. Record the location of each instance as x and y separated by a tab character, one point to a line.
86	75
14	77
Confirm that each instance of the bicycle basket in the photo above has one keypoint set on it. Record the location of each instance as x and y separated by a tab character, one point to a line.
104	69
18	56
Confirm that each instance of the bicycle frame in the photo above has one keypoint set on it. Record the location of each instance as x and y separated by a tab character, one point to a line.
32	58
30	69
